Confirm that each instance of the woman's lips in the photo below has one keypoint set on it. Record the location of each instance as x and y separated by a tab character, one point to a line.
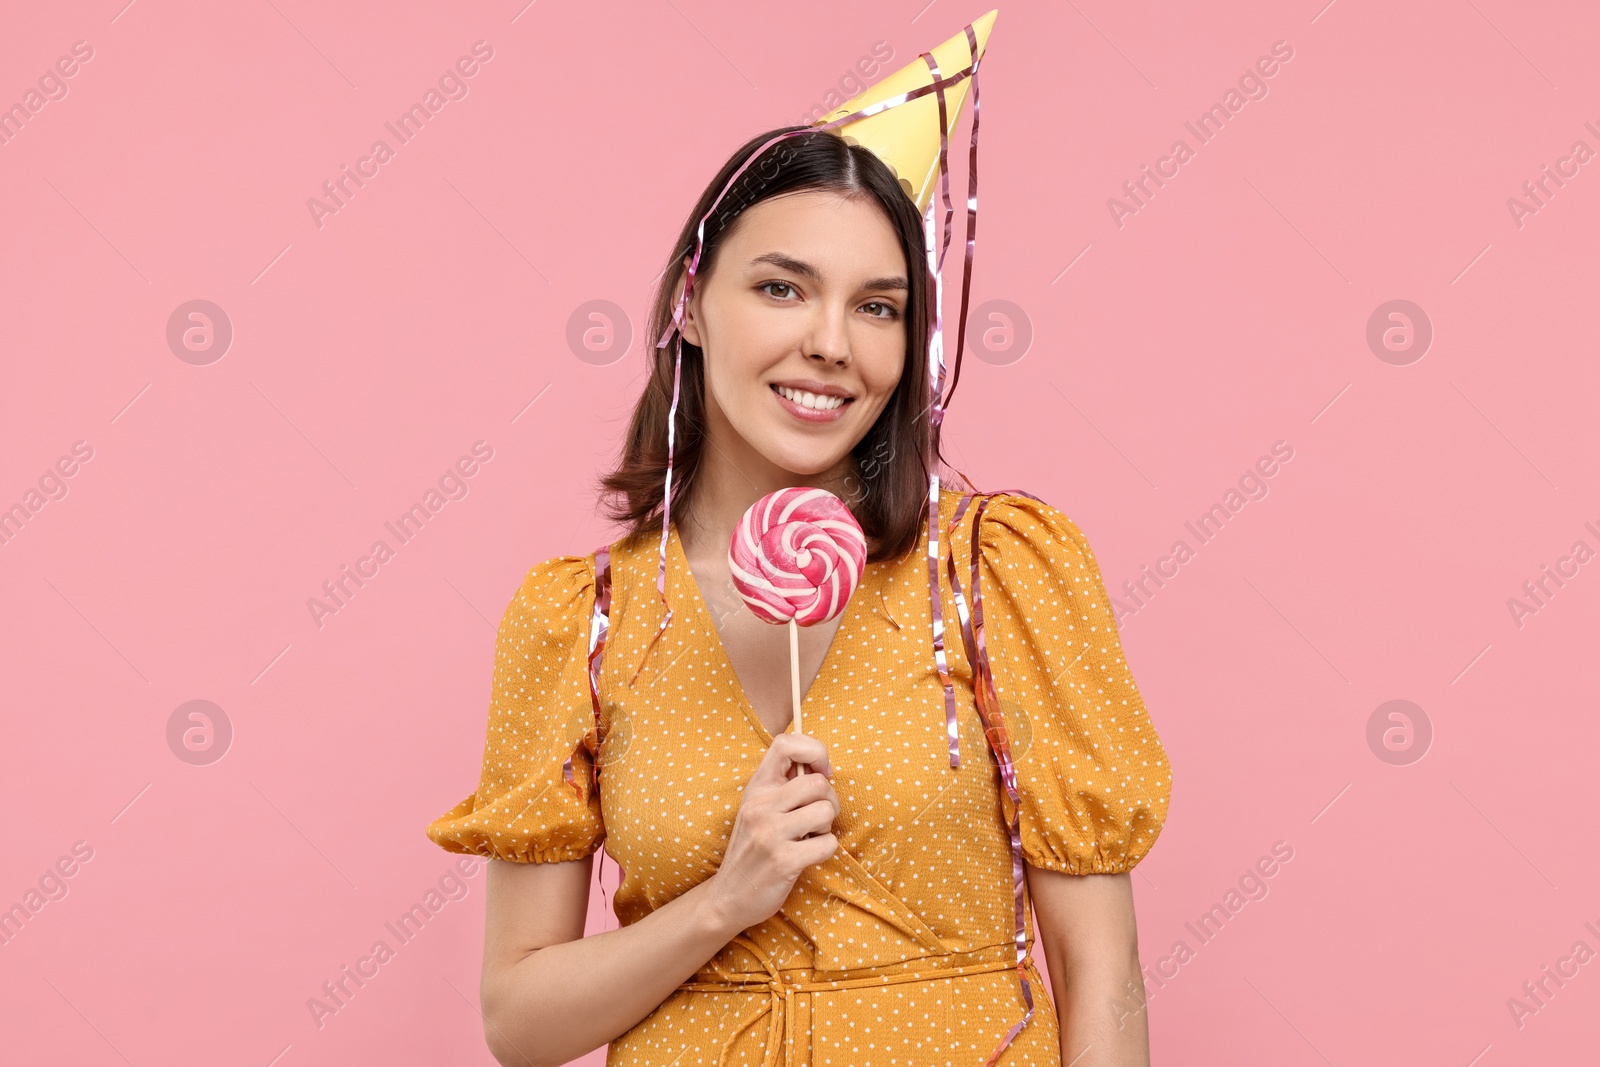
800	411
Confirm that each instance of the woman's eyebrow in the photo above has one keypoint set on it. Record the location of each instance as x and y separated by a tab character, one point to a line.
806	270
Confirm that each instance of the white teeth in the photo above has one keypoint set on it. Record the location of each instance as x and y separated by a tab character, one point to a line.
811	400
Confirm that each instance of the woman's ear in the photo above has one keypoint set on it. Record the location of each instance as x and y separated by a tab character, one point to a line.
691	327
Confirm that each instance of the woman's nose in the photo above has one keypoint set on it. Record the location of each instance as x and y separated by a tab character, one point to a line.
830	337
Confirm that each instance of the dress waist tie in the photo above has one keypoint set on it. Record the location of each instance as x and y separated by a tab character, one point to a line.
782	1006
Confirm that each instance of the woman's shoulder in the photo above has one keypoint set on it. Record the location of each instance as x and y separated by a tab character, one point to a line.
553	595
1014	525
561	571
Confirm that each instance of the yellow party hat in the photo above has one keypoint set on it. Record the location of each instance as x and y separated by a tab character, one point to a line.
907	137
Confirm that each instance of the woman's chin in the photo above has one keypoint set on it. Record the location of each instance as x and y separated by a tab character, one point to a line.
805	463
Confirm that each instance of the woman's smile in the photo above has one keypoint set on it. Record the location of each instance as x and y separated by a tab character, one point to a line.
810	406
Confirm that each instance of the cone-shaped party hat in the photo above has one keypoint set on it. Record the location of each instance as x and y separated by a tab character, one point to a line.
907	137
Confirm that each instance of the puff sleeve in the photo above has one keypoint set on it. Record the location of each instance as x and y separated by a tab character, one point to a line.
1092	776
539	709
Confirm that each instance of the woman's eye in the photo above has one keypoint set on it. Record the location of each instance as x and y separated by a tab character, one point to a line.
768	286
889	310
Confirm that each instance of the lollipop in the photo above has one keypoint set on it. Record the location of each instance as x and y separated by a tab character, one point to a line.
795	557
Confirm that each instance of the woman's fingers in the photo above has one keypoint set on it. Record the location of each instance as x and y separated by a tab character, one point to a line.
806	789
783	826
813	818
789	751
813	850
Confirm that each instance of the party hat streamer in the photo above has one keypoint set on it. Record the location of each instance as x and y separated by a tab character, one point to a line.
906	120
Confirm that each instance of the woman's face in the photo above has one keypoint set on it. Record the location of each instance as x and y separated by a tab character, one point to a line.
802	323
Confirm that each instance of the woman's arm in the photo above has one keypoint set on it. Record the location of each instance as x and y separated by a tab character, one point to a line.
1092	949
549	993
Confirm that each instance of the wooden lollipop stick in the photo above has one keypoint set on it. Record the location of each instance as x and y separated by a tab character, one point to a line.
794	677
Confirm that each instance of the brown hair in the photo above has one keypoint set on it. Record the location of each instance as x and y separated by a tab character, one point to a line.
888	490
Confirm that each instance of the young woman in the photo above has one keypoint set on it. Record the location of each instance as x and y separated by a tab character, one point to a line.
866	914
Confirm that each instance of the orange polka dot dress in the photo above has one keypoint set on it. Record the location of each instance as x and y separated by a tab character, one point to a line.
900	950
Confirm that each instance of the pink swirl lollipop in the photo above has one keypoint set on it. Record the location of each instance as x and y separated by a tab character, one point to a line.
797	555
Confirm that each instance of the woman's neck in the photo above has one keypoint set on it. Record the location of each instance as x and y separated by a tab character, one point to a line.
730	479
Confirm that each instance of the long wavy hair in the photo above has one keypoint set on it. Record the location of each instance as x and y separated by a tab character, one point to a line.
887	490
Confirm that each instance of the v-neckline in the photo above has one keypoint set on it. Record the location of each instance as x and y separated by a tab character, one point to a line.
825	672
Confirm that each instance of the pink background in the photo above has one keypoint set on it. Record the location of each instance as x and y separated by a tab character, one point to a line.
1167	354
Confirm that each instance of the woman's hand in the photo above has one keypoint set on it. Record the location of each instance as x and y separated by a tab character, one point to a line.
769	846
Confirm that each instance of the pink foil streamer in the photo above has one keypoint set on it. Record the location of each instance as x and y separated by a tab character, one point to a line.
599	627
972	631
997	733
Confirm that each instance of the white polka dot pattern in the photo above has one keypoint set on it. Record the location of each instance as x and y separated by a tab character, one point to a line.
922	878
541	655
1094	779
